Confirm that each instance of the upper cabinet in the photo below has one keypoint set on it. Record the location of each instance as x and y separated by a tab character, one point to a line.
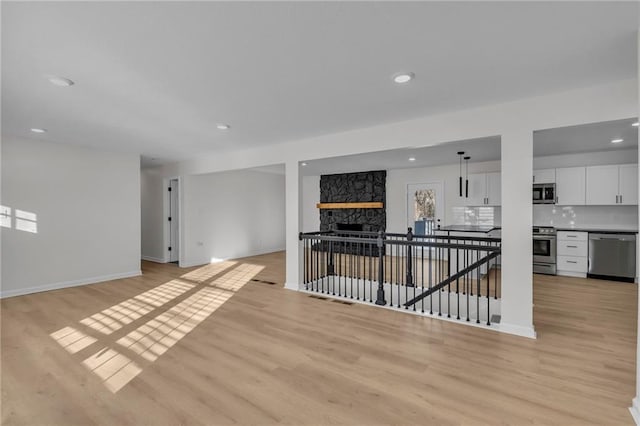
628	184
544	176
484	190
608	185
494	189
570	186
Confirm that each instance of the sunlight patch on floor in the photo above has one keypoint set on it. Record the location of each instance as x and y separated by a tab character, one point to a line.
153	338
234	280
117	316
72	340
206	272
115	369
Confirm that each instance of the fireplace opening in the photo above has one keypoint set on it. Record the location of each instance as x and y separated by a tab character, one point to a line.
349	227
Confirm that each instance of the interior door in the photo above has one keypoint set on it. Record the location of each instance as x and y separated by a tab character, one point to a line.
173	221
425	207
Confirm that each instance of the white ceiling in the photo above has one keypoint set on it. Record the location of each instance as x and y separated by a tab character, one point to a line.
593	137
482	149
155	77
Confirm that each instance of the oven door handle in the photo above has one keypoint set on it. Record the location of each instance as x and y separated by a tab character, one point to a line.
544	237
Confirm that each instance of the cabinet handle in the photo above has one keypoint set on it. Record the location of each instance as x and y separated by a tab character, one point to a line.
573	246
571	261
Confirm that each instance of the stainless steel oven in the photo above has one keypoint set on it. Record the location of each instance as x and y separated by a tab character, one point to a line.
544	193
544	250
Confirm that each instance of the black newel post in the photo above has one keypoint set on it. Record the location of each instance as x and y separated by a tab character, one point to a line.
380	297
330	269
409	260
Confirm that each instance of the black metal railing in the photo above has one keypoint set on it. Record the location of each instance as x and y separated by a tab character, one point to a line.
457	277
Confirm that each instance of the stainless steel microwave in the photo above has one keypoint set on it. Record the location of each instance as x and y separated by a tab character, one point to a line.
544	193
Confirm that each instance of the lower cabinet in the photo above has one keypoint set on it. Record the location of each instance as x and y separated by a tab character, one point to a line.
572	253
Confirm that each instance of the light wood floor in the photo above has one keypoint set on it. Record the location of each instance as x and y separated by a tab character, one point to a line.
267	355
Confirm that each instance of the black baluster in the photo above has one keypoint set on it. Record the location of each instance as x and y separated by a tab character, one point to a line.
488	295
458	280
430	279
422	276
380	296
478	291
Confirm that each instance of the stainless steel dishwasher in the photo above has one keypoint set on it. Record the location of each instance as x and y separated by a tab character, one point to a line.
612	256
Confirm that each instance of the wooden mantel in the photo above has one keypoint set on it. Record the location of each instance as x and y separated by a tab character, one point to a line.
367	205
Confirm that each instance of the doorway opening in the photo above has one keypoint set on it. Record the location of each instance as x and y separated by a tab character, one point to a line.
425	207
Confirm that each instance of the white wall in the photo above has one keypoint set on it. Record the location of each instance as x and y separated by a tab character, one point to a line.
87	216
231	214
152	194
310	197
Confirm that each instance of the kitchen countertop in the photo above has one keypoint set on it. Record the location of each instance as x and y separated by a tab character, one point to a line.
598	229
469	228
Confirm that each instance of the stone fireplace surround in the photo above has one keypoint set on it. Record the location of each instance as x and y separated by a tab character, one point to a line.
354	187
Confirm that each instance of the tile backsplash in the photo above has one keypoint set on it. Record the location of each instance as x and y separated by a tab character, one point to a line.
624	217
476	215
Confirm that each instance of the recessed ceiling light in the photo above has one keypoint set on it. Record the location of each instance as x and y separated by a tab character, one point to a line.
403	77
616	140
304	164
412	158
636	124
223	126
60	81
36	130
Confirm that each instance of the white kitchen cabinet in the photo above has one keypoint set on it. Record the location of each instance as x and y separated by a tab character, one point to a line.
628	184
494	189
573	249
477	190
570	186
544	176
484	190
602	185
613	184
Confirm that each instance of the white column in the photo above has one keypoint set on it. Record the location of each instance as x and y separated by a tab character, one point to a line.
635	404
517	214
293	196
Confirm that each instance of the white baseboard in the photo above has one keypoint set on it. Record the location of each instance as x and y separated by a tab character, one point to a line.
572	274
154	259
205	261
190	263
292	286
635	410
66	284
517	330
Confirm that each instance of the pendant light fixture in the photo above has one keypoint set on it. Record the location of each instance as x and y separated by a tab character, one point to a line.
466	159
460	154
